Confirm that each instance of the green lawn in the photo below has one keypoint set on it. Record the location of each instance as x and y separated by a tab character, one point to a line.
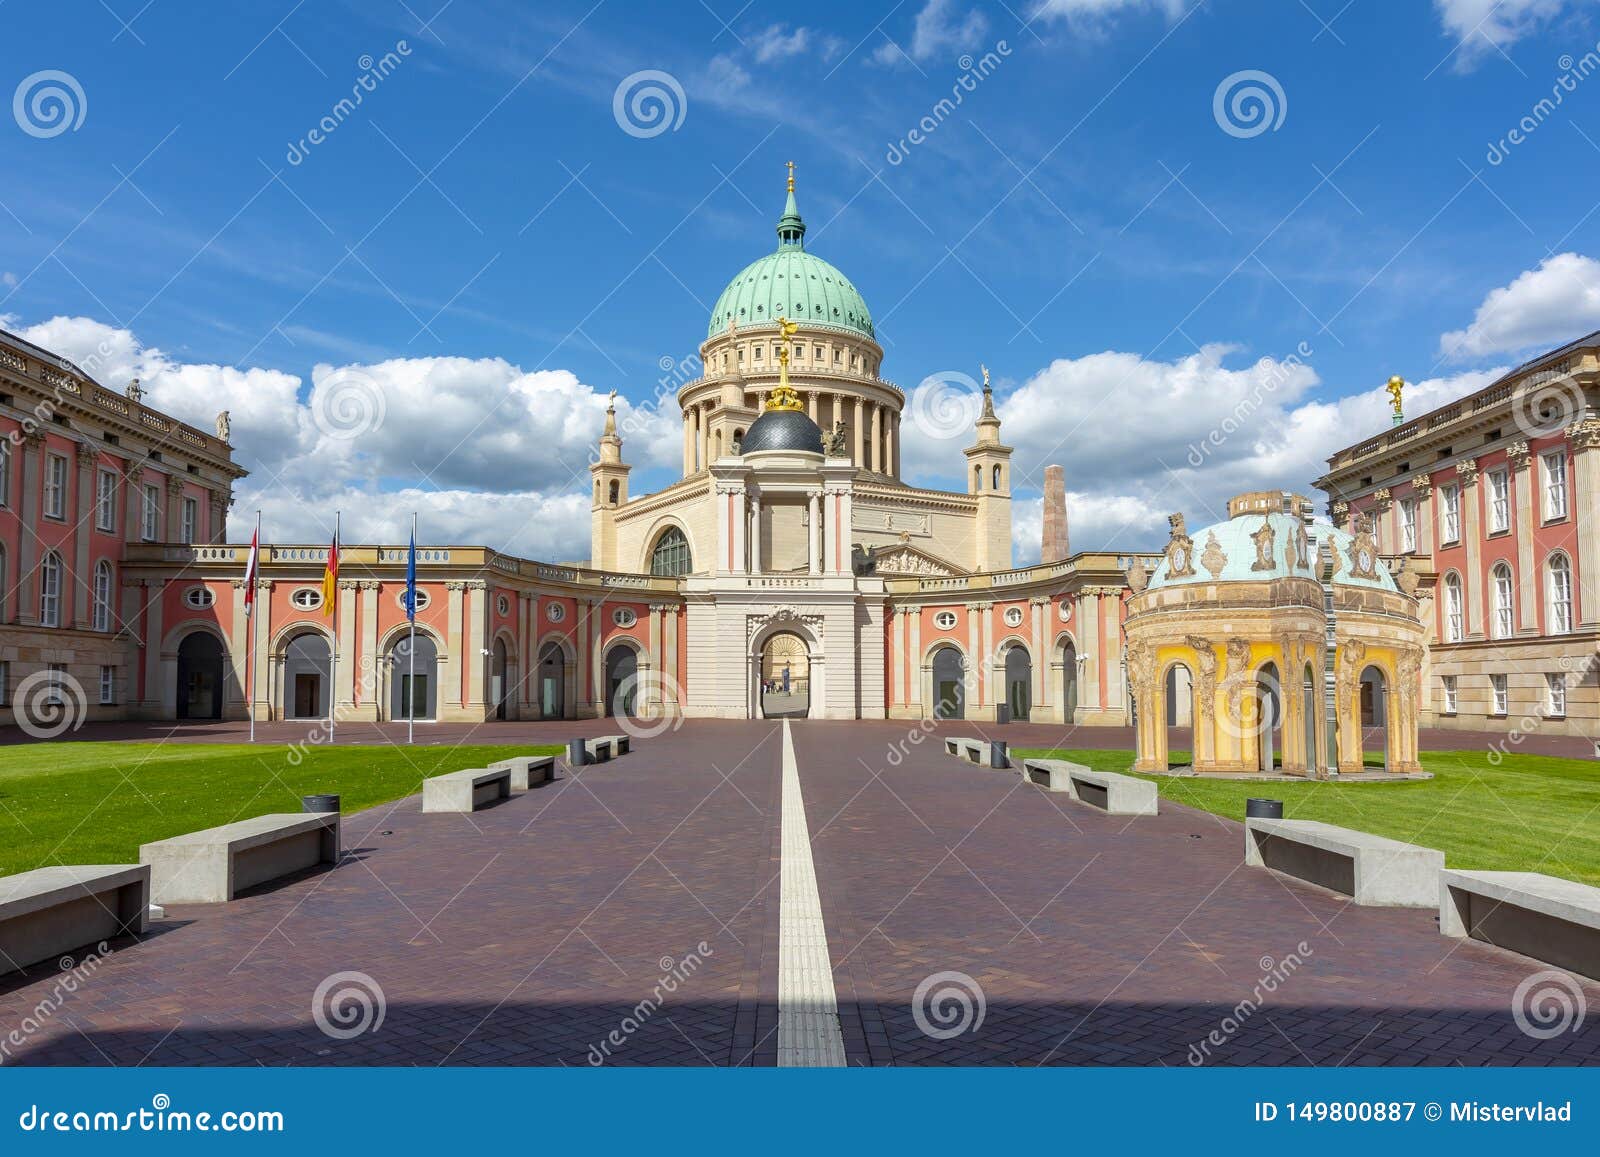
95	803
1531	813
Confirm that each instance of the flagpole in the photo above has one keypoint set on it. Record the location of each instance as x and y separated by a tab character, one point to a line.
250	647
333	651
411	644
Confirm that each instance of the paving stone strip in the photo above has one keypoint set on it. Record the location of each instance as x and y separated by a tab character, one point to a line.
808	1009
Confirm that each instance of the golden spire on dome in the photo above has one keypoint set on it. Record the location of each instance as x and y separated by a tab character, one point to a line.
785	397
791	175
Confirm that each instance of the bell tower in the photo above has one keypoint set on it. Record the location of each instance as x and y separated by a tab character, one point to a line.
989	480
610	478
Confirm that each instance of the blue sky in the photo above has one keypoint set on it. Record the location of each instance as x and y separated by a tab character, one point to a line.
483	245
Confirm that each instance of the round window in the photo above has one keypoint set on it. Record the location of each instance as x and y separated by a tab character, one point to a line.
503	605
624	617
945	620
1064	609
422	598
306	599
1013	616
555	612
199	597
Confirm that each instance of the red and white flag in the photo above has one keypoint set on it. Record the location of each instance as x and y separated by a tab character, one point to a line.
250	573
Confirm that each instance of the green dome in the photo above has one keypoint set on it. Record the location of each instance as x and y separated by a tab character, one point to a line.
791	283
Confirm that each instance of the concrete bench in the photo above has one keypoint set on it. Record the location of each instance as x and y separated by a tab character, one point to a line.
214	865
607	747
1110	791
466	790
527	770
46	912
1373	869
1545	917
971	750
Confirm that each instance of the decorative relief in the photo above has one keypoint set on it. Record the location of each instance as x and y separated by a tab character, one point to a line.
1347	673
908	560
1382	498
1138	578
1340	513
1585	433
1467	470
1237	677
1519	455
1205	676
1422	484
1213	558
1264	540
1300	549
1180	549
1363	550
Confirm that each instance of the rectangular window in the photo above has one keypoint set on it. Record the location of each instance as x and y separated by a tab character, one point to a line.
108	685
151	531
1450	500
54	697
1502	697
1408	524
105	502
1555	696
5	682
1555	486
1448	684
55	486
191	517
1499	502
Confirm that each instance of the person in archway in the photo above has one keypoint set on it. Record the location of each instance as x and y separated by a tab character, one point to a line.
786	678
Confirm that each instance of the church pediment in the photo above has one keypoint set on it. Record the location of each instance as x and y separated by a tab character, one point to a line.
903	558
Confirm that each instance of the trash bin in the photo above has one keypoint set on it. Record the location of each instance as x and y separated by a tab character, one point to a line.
577	753
319	803
1263	809
999	755
1002	713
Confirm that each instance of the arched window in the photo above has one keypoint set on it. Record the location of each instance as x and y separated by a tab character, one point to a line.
50	590
102	595
1504	622
996	483
977	478
671	554
1558	595
616	489
1454	628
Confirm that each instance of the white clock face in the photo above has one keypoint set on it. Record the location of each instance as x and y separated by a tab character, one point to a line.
1179	557
1364	559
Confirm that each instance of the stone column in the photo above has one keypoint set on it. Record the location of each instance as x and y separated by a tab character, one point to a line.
367	660
1040	650
877	439
153	630
1584	503
812	405
755	533
133	499
83	564
671	689
457	651
218	530
349	656
1472	538
650	700
1422	492
29	503
238	656
858	444
894	627
1523	498
891	455
597	674
261	677
688	442
813	535
476	639
915	664
174	525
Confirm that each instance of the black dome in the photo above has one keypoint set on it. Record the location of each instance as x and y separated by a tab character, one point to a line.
782	430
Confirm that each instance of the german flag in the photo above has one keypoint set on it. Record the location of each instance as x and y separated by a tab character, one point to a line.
330	578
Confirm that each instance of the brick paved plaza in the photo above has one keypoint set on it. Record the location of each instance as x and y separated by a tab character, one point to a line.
530	932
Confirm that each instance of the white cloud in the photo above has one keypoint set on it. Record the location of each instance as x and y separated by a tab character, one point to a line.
1480	27
1547	306
937	30
776	42
1083	14
487	452
1222	431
